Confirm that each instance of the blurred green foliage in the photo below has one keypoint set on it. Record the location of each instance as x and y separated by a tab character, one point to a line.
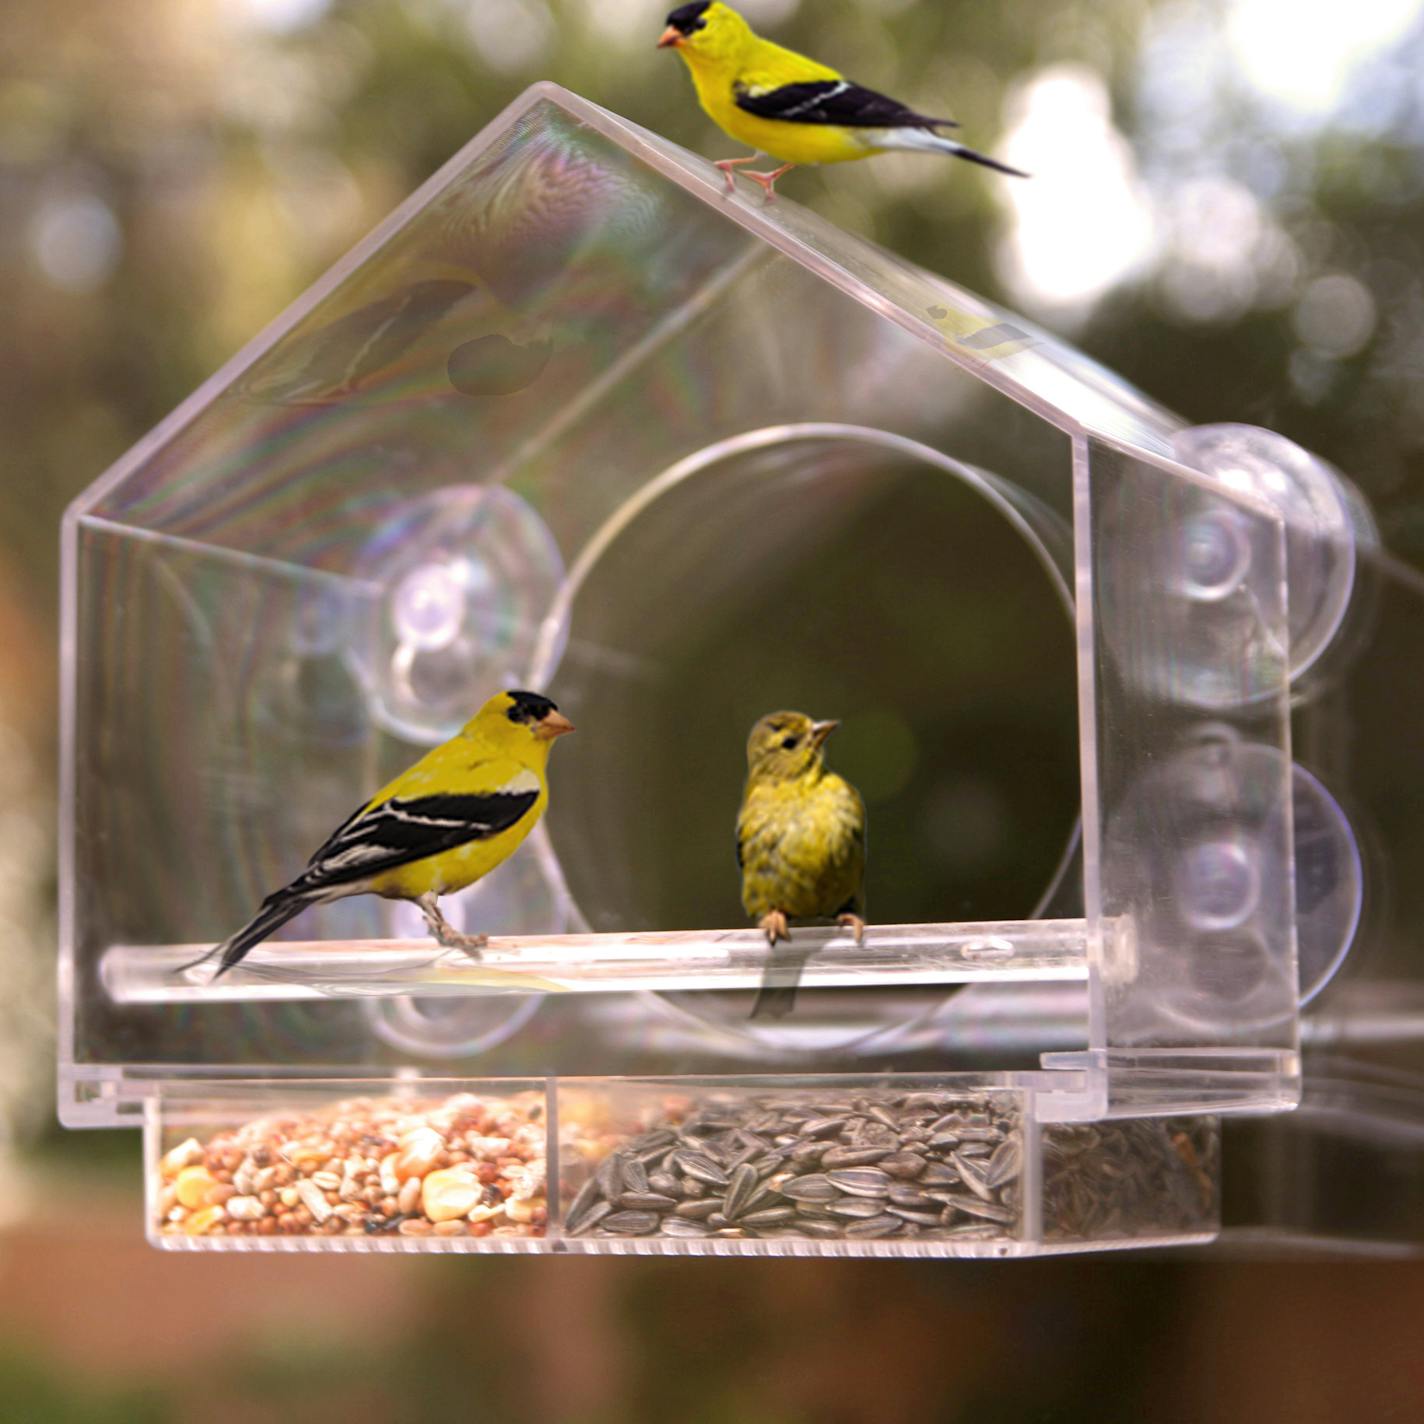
40	1391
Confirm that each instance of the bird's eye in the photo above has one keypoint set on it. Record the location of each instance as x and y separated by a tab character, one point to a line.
790	742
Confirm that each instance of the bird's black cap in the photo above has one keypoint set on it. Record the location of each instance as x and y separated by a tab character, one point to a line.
687	18
529	706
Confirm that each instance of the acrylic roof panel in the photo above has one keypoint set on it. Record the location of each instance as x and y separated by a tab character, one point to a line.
557	206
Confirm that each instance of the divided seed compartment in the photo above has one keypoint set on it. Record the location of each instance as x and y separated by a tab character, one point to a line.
573	418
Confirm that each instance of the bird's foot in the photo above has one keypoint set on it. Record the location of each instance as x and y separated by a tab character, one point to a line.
773	925
768	180
470	943
728	164
446	933
852	922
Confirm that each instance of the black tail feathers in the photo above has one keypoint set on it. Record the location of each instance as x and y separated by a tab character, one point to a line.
276	910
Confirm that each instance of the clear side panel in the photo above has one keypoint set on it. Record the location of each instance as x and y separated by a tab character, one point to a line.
1345	1172
430	1166
1187	811
206	687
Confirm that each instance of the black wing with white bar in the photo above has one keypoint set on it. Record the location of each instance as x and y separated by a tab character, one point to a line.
834	101
403	830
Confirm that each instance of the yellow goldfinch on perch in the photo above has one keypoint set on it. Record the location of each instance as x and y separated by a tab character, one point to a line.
461	810
800	844
788	106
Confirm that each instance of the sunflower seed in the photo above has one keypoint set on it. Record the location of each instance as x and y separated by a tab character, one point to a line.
911	1197
772	1216
744	1183
920	1218
973	1231
853	1156
944	1139
647	1201
972	1206
596	1213
665	1183
875	1226
680	1226
810	1226
635	1175
610	1175
691	1187
973	1175
739	1158
584	1198
1006	1162
903	1164
697	1210
942	1194
861	1181
764	1196
701	1167
813	1188
938	1174
937	1101
718	1220
822	1126
807	1154
855	1208
731	1233
630	1223
884	1118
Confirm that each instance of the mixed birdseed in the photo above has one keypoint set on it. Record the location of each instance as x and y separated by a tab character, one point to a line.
1129	1178
861	1166
458	1166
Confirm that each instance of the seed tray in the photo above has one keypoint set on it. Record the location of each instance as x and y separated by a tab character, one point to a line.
843	1166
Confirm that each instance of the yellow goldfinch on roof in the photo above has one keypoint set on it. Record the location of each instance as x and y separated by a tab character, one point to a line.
461	810
790	107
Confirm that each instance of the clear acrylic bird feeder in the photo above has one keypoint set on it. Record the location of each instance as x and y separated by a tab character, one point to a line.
574	418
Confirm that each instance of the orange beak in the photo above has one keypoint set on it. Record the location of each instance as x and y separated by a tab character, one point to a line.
670	38
820	731
555	724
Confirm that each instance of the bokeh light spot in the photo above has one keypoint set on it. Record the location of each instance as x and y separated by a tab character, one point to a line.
75	240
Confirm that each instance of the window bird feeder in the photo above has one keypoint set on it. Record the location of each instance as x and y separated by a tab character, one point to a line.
574	418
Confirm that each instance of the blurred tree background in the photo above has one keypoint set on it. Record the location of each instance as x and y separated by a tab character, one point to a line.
1228	208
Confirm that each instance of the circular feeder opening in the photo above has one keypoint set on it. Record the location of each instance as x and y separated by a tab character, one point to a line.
849	574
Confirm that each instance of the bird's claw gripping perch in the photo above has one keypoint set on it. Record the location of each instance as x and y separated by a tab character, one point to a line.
768	180
854	923
445	933
773	925
728	165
